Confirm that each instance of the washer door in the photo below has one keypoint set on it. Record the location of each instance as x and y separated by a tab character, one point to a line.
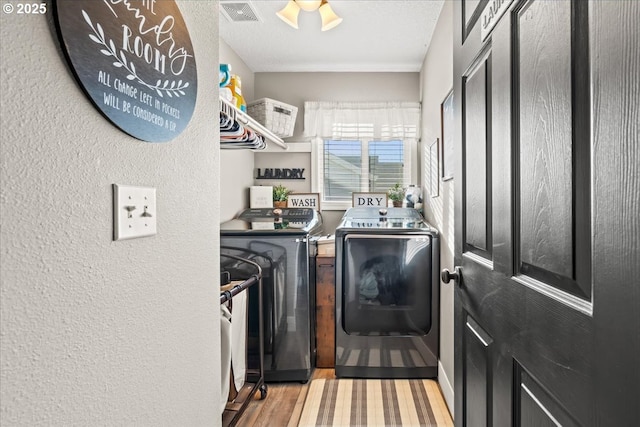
386	284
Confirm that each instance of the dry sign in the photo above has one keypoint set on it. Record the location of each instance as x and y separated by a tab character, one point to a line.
135	61
369	199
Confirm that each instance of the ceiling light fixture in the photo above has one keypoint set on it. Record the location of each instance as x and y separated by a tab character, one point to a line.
329	18
290	12
309	5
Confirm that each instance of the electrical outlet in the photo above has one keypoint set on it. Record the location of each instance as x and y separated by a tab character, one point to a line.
134	212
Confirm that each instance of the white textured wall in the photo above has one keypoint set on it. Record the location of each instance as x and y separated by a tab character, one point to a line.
236	166
96	332
436	82
238	67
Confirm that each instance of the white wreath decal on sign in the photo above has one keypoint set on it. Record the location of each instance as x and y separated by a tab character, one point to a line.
171	89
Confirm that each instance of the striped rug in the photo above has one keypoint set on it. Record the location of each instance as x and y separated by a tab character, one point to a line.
348	402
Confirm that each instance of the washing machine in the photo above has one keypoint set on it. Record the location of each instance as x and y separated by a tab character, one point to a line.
387	294
279	241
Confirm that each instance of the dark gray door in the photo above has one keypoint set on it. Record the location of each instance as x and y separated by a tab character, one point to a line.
547	183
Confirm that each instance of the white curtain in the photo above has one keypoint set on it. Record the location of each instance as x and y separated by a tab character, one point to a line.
364	121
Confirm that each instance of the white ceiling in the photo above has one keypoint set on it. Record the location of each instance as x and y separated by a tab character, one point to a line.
375	35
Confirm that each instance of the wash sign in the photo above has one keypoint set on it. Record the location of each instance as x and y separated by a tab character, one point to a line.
304	200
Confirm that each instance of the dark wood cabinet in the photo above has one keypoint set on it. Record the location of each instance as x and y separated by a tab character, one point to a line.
325	312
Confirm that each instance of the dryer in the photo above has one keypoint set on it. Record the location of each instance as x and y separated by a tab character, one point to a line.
387	294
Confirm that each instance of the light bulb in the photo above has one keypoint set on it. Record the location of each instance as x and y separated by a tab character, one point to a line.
309	5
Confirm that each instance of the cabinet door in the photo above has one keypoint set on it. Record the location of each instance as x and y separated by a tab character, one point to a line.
325	312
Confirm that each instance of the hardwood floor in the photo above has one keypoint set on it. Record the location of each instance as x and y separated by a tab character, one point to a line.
284	403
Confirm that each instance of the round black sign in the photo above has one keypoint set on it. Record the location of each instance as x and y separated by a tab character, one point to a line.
135	60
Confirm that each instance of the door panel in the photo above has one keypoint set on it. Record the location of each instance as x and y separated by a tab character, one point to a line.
477	163
471	10
536	407
541	321
544	65
553	149
477	372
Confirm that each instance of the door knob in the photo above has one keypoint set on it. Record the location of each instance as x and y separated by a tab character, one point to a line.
448	276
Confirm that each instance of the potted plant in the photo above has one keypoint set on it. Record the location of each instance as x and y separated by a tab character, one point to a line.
280	196
396	194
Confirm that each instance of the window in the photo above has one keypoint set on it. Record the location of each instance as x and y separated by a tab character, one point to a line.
361	147
353	166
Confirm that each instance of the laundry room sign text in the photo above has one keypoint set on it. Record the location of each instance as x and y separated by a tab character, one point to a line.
491	14
277	173
135	61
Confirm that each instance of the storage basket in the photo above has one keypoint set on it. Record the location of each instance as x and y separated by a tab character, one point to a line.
278	117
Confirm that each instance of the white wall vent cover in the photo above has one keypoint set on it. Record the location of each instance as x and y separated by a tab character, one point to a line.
236	11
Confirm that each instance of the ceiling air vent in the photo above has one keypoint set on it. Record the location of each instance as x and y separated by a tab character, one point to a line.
236	11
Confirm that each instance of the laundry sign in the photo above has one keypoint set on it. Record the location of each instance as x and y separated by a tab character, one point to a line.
491	14
135	61
277	173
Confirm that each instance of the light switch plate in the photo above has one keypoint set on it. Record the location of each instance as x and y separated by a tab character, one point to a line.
134	212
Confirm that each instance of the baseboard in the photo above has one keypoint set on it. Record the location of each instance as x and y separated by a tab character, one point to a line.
447	389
